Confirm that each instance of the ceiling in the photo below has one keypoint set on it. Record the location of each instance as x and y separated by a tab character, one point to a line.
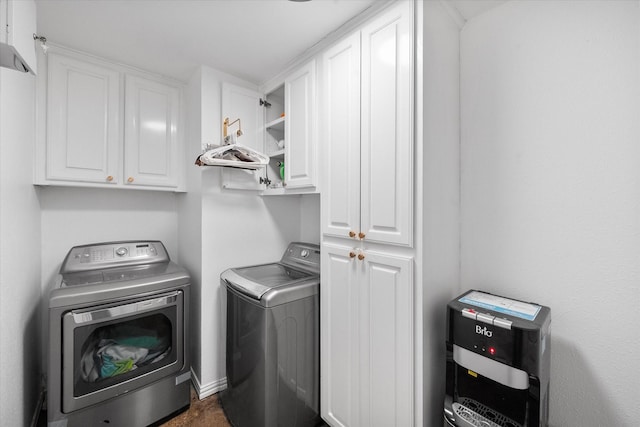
472	8
251	39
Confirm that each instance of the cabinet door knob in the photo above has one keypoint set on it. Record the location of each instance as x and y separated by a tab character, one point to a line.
352	234
110	178
352	254
360	256
130	179
361	235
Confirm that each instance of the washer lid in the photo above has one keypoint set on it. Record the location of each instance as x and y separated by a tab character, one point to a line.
257	280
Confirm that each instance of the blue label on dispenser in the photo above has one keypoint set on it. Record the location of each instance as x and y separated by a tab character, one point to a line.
503	305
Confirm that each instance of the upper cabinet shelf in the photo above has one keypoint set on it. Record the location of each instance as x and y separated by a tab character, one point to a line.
276	125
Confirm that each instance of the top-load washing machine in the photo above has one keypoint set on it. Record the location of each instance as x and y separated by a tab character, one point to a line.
273	376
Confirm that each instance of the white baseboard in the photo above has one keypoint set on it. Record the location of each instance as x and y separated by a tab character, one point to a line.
206	390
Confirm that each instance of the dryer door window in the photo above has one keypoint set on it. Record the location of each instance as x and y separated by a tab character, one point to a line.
117	348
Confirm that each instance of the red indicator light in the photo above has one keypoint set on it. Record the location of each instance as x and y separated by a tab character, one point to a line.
492	351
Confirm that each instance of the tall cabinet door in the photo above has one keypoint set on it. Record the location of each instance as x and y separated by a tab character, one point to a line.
151	127
386	340
339	336
387	127
82	121
300	104
341	132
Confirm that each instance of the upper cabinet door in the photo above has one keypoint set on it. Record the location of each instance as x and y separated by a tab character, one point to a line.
243	104
82	121
300	148
387	127
151	133
341	134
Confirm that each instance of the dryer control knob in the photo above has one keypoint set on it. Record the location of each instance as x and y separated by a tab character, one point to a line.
304	253
121	251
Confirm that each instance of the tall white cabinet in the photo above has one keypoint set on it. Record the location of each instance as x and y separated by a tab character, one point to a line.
367	316
368	127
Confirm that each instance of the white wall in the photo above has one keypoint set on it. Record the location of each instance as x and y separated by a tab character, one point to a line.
439	151
77	216
310	218
236	228
19	253
190	214
551	188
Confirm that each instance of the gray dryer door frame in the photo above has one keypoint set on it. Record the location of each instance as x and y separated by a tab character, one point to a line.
106	314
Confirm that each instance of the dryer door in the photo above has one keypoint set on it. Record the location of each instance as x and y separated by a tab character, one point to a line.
112	349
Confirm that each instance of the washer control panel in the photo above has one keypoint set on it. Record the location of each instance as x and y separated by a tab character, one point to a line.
113	254
303	255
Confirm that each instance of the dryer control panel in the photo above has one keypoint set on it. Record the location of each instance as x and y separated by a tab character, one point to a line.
113	254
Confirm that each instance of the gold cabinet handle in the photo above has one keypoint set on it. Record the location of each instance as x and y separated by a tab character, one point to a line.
360	256
352	254
130	179
352	234
110	178
361	235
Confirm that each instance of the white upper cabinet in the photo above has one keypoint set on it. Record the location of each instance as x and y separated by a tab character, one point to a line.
83	119
18	23
290	133
285	118
387	128
108	127
341	135
367	125
151	133
300	107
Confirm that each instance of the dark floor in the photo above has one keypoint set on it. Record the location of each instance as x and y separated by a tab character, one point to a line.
202	413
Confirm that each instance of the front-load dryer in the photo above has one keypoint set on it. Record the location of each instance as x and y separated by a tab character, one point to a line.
118	337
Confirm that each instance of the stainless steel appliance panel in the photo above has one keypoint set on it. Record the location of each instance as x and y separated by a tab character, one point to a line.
273	341
272	362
